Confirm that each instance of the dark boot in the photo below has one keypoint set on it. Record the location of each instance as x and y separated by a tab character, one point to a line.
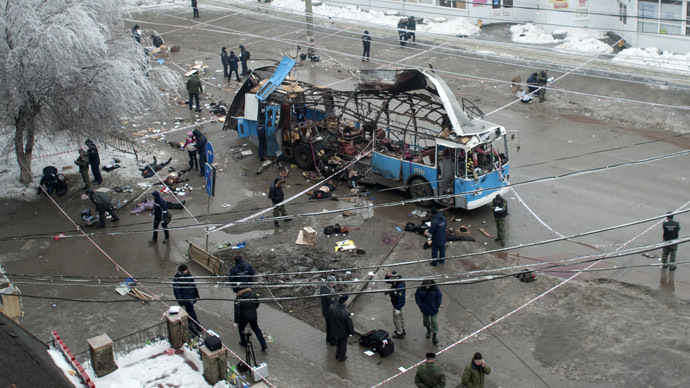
435	340
428	332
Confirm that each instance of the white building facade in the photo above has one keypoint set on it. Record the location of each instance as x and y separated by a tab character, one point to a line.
664	24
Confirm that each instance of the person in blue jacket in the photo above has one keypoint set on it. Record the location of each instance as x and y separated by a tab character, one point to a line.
437	232
160	217
397	295
241	274
428	298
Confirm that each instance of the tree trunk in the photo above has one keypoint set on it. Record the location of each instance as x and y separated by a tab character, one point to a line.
25	130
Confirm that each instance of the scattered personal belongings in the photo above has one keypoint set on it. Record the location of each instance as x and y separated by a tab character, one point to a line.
306	236
345	245
526	276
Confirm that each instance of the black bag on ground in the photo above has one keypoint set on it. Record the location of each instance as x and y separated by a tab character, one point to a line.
387	349
213	343
377	339
365	339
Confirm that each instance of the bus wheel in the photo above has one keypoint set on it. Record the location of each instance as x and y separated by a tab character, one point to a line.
302	155
419	188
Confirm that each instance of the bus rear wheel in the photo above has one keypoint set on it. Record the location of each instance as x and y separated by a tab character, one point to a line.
302	156
419	188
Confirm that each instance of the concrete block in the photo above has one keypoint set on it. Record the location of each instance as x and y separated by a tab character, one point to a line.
214	363
102	357
178	328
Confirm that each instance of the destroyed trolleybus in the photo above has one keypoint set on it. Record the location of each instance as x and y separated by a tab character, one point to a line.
416	135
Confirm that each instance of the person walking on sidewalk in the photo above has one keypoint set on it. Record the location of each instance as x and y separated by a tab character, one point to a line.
473	375
201	150
366	44
500	209
341	324
103	205
94	161
275	193
438	234
246	304
195	9
430	375
328	298
668	253
397	295
428	298
160	216
186	295
241	274
194	87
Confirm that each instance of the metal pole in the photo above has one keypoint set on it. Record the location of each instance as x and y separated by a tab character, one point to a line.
310	28
208	217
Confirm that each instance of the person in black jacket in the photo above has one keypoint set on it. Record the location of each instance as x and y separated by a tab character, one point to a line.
186	294
244	57
156	40
342	327
224	61
245	312
94	161
402	31
160	216
195	9
103	205
366	44
412	26
233	62
275	193
328	298
242	274
136	33
668	253
397	295
201	150
500	207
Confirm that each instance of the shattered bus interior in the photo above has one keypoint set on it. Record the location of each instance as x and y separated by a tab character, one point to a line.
422	140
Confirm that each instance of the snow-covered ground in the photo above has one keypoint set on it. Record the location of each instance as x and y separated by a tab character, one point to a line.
151	366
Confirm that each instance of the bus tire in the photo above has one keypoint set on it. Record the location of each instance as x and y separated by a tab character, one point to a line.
302	156
419	188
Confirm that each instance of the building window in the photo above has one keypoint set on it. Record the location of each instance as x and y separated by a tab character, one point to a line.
507	3
623	13
452	3
660	16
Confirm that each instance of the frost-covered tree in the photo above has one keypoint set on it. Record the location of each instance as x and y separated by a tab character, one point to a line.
71	65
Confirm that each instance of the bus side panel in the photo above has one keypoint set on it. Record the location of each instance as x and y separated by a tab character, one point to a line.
474	200
416	169
246	128
386	166
313	114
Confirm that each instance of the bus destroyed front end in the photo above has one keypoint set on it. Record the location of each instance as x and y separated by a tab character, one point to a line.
417	136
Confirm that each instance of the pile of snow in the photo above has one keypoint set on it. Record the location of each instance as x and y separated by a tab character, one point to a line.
589	45
576	39
654	57
151	366
530	33
459	26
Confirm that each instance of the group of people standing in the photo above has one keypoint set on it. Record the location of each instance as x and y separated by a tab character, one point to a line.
230	62
89	157
195	144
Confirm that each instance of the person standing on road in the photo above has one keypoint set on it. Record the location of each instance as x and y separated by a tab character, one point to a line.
190	145
473	375
430	375
500	209
328	298
412	27
341	324
201	150
532	84
186	294
160	216
244	57
366	44
224	61
233	61
428	298
195	9
83	163
241	274
542	80
275	193
668	253
397	295
246	304
402	31
94	161
437	233
103	205
194	87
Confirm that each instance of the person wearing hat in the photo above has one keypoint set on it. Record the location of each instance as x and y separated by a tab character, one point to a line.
500	207
668	253
366	44
160	216
194	87
233	62
473	375
190	145
241	274
430	375
201	150
438	234
429	298
275	193
328	298
103	205
246	304
156	40
397	295
244	57
186	294
94	161
341	327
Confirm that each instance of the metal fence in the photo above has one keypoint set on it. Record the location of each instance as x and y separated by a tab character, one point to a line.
130	342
